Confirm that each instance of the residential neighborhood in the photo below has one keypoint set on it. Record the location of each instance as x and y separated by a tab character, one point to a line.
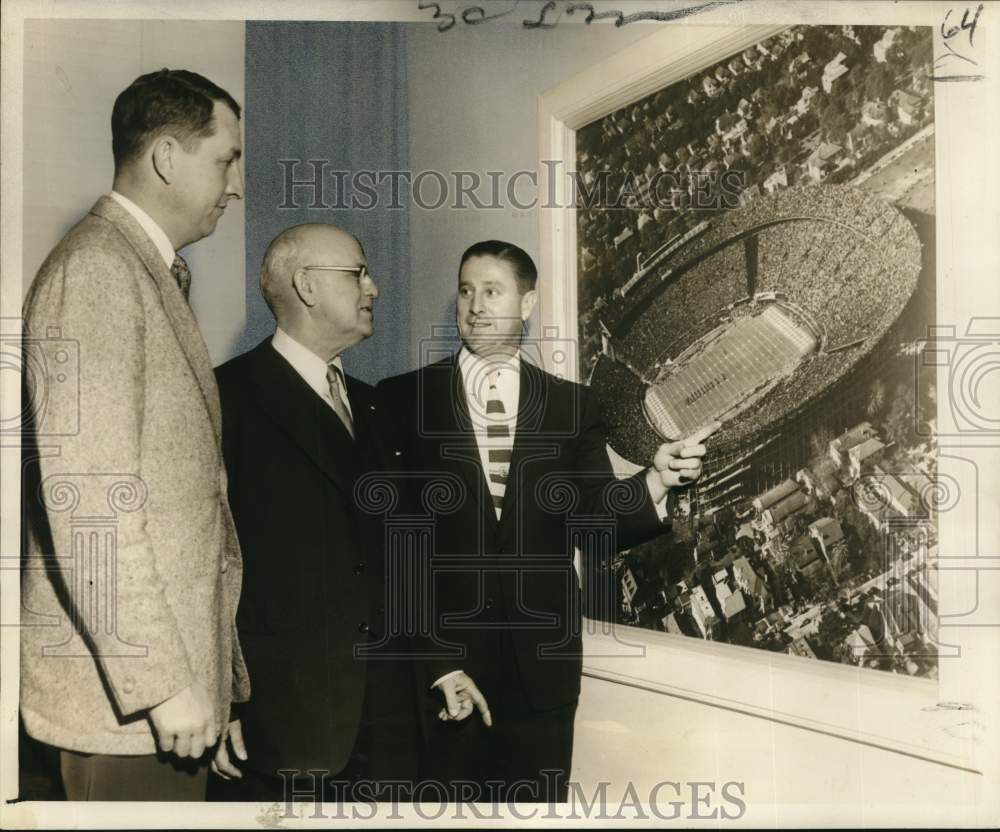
811	104
834	564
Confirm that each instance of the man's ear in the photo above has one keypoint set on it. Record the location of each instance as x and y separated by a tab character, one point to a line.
164	155
304	287
528	301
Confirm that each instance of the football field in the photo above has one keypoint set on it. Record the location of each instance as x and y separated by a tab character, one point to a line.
722	373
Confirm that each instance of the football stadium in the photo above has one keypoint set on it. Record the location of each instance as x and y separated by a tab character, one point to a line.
752	320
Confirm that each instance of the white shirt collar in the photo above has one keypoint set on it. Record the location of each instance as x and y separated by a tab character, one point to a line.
476	371
469	362
306	363
155	233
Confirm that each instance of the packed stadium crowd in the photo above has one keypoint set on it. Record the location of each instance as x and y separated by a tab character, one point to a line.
849	262
690	305
621	392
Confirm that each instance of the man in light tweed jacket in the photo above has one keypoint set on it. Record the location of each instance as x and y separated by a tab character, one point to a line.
129	660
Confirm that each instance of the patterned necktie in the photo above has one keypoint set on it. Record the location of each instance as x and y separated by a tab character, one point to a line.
336	395
182	274
498	442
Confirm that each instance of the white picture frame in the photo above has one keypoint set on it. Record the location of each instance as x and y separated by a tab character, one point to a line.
911	716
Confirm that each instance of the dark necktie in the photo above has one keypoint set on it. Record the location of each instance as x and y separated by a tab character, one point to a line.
336	386
182	274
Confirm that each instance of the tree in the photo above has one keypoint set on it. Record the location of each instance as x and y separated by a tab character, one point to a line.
757	148
921	53
899	422
785	96
879	82
876	398
854	98
820	441
834	121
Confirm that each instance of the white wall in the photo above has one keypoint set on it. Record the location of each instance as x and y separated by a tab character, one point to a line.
73	71
791	777
473	99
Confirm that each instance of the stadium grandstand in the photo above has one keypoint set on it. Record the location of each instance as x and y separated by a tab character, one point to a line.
753	318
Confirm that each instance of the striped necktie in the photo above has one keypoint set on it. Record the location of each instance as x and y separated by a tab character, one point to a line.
499	443
182	274
337	397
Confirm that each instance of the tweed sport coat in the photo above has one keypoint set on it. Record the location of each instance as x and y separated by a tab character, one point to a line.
132	570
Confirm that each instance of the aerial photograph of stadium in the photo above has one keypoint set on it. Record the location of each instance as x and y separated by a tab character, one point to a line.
756	247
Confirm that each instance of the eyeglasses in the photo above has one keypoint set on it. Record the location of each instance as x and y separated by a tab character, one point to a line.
359	272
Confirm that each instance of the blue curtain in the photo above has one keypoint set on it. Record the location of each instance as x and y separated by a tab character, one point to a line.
333	92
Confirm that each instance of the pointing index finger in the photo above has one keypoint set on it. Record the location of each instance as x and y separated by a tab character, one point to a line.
701	434
480	702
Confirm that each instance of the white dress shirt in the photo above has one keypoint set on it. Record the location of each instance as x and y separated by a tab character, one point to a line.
310	366
153	231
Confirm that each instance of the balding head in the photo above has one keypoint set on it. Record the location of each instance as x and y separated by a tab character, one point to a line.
311	244
311	278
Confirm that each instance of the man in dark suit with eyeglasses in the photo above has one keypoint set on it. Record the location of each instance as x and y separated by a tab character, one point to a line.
332	686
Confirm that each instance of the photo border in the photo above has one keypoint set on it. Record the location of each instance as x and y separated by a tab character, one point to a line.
878	708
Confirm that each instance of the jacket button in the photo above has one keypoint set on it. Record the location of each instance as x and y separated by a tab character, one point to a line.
489	603
359	569
128	685
363	627
225	563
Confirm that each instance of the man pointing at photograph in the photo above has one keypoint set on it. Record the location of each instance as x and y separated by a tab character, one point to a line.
531	450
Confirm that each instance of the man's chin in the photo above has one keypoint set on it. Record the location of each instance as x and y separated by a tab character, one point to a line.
208	229
484	345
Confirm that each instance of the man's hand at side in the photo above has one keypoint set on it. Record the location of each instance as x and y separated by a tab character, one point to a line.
221	763
460	696
185	723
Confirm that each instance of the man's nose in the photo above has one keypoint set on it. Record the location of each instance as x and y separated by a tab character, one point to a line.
476	305
234	182
371	287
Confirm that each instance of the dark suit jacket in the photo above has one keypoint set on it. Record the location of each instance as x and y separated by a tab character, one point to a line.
314	586
518	573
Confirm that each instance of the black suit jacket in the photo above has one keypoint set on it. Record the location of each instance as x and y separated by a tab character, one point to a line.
517	573
313	587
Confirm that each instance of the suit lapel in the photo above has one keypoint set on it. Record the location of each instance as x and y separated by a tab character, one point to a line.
368	441
447	412
176	308
305	418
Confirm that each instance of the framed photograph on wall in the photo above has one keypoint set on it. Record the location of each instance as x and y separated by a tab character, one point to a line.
746	234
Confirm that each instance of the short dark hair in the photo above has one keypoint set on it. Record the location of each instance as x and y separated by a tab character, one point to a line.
173	101
516	257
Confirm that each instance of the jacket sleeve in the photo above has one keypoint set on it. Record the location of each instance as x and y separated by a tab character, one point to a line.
602	493
231	427
92	300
